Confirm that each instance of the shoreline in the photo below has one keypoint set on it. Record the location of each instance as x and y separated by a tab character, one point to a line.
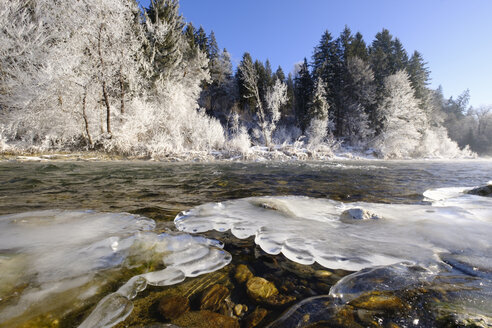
256	156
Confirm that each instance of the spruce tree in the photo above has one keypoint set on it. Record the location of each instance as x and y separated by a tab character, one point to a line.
289	108
164	48
213	48
303	86
269	78
360	102
399	58
189	33
358	47
245	100
328	65
419	75
279	74
380	56
201	39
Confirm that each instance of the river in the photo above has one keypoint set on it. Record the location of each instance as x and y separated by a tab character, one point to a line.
159	191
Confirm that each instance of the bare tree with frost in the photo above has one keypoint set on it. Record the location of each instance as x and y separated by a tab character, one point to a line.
276	97
250	83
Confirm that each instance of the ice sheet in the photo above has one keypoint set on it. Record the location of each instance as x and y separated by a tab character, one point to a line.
54	260
308	230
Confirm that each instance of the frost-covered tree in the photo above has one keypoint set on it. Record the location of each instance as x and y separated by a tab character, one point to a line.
401	118
276	97
84	56
318	128
102	74
249	78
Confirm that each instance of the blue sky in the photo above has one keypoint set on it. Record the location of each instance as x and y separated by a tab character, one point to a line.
454	36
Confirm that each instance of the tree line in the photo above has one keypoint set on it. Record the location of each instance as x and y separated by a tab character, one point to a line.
109	75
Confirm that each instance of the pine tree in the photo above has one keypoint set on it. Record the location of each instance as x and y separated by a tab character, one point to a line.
328	64
360	102
358	47
303	86
321	56
269	78
279	74
219	96
201	40
263	79
399	57
289	108
419	75
344	45
245	100
341	76
380	56
164	27
213	48
190	34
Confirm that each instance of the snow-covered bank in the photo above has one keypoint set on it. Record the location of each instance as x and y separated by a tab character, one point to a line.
252	154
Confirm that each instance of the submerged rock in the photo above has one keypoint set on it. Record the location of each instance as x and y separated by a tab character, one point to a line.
382	278
307	313
213	297
206	319
278	301
255	318
172	307
240	309
383	301
144	314
243	273
259	289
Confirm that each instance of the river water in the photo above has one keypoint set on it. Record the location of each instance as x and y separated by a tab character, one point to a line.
164	189
59	192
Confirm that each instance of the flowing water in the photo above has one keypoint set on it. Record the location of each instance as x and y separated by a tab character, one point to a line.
73	233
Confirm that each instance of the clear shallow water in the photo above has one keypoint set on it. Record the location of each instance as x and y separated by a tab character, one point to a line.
161	190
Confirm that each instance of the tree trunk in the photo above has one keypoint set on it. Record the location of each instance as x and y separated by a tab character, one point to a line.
108	109
105	94
86	122
122	92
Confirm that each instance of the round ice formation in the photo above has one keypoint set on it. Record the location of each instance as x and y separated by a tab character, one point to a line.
308	230
53	259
